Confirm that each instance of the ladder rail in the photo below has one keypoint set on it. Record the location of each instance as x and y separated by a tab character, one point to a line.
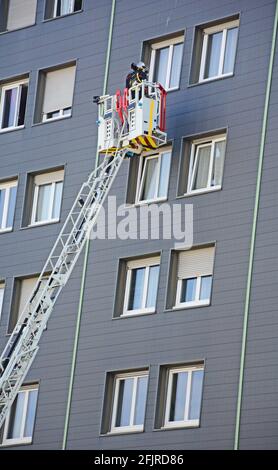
23	344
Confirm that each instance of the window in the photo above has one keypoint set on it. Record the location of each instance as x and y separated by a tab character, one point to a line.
13	104
56	8
47	197
141	286
23	289
7	205
153	179
165	62
17	14
218	50
183	396
206	164
19	424
2	289
129	402
55	94
194	277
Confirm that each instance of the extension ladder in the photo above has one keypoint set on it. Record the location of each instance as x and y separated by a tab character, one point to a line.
23	343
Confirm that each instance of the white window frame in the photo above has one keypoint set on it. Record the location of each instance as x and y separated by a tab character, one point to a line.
194	303
132	427
56	8
19	440
61	115
18	85
224	27
186	422
195	146
137	264
160	45
142	174
2	292
51	203
7	186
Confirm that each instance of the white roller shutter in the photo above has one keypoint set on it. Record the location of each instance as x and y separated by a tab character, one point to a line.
58	91
21	13
194	263
51	177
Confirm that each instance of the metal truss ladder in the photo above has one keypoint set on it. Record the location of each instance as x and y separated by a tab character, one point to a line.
23	343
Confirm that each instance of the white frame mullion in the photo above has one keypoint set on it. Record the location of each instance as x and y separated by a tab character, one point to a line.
152	64
169	65
188	396
127	290
222	52
198	289
145	287
51	202
211	163
133	401
115	402
18	99
35	204
203	57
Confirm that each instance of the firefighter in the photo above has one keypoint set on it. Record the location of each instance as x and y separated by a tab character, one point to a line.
137	75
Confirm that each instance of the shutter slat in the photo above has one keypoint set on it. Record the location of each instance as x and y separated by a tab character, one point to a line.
52	177
58	93
194	263
21	13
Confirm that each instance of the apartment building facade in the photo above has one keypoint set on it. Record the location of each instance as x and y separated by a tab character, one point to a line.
148	346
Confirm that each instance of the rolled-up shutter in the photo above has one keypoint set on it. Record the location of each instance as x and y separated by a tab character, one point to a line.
58	91
51	177
21	13
194	263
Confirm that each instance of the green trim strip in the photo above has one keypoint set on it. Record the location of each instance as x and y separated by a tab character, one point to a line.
254	232
87	248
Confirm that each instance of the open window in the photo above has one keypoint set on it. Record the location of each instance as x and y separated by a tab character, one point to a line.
13	104
57	8
8	192
2	290
23	288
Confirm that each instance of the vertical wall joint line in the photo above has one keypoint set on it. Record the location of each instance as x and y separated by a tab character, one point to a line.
87	248
253	234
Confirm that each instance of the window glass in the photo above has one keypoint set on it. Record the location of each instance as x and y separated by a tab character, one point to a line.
176	66
141	396
152	286
188	293
196	394
9	113
57	200
22	106
2	200
124	402
43	202
179	385
213	54
150	180
136	289
16	416
230	50
219	154
161	63
11	206
201	167
164	174
206	283
31	411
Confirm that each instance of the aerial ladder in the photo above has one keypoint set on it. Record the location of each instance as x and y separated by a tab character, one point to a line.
128	124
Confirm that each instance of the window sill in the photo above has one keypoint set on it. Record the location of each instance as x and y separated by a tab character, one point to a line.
16	442
209	80
11	129
48	121
122	433
198	193
40	224
146	203
17	29
5	230
47	20
134	315
178	427
186	307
